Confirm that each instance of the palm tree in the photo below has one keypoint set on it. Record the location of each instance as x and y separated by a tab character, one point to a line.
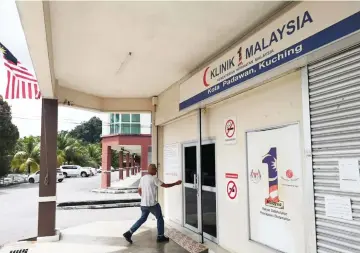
94	153
27	156
71	150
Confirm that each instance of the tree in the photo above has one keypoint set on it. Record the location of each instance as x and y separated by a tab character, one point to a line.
94	152
72	151
27	156
89	131
9	134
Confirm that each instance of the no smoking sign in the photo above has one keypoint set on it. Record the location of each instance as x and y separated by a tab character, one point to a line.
232	186
230	130
231	190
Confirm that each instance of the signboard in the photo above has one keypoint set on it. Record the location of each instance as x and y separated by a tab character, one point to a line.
299	31
232	186
349	175
230	130
338	207
275	190
172	173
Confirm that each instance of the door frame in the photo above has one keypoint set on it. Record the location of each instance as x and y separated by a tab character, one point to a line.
208	188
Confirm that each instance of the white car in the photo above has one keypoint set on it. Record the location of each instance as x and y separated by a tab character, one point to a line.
99	170
75	171
35	177
92	170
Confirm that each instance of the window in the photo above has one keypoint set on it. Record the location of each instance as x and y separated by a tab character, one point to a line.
125	117
117	128
125	128
125	123
135	118
135	128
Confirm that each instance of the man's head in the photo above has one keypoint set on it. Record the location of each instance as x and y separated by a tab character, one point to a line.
152	169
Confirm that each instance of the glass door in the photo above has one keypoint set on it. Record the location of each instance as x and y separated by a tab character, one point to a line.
193	205
208	205
190	187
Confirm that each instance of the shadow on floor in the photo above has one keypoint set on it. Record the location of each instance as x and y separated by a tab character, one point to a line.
144	242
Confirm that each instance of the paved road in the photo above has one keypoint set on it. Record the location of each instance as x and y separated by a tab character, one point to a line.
19	207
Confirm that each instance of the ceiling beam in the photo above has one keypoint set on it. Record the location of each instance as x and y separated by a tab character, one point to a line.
70	97
35	20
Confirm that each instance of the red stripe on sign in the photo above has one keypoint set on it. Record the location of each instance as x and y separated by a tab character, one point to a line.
231	175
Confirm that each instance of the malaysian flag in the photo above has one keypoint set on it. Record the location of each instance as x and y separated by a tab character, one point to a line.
20	82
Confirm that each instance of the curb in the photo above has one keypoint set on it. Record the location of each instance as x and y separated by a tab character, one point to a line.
116	190
104	206
98	202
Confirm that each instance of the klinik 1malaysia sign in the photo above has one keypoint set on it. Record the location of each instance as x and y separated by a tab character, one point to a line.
301	30
275	188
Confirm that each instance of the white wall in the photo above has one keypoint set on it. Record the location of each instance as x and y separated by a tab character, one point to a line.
145	121
180	131
275	103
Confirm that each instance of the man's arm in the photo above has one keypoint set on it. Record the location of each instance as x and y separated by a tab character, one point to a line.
171	185
139	191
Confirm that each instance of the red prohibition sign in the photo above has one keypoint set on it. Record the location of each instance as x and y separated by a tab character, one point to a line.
230	128
231	190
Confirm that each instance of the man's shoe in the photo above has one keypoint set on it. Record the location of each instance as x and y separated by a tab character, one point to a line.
162	239
127	236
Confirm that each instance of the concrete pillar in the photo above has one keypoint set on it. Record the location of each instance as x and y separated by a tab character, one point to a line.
48	165
132	165
121	165
127	160
144	159
106	166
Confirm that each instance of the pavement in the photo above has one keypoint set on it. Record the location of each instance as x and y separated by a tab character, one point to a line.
106	237
19	207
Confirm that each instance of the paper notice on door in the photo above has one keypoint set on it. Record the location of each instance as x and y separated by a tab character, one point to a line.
349	175
338	207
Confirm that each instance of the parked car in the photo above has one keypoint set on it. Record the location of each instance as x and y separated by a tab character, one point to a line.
35	177
99	170
75	171
92	170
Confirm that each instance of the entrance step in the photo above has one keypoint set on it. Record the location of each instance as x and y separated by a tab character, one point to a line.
186	242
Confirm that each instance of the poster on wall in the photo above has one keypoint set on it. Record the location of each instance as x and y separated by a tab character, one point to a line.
230	130
172	173
275	188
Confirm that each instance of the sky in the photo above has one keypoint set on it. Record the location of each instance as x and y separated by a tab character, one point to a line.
27	113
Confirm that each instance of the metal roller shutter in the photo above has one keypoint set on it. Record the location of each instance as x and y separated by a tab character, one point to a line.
334	90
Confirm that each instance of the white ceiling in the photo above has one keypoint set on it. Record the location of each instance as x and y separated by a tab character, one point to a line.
167	40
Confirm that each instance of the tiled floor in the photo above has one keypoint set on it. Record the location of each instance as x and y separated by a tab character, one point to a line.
102	237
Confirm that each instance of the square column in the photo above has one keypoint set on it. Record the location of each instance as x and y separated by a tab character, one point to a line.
121	165
48	165
132	165
144	159
127	159
106	166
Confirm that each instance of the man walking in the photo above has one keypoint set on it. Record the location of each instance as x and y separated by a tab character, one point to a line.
147	190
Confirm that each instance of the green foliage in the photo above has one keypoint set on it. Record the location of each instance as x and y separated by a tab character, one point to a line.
9	134
115	158
70	150
89	131
27	156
